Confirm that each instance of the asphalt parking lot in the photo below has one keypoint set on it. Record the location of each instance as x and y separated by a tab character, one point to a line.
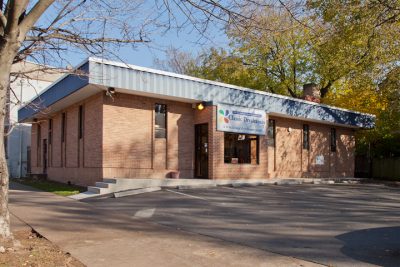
335	225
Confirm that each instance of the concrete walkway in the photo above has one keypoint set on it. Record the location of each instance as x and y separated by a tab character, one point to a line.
112	185
102	238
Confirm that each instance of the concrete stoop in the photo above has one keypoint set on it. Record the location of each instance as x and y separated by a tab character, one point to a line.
119	187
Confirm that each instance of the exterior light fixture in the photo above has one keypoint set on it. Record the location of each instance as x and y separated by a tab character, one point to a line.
200	106
111	90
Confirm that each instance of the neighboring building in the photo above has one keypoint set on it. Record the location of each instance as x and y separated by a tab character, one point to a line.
131	122
30	82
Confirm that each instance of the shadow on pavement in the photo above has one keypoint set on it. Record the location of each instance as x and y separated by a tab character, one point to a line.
380	246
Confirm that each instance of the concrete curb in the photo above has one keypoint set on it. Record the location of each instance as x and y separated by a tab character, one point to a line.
182	187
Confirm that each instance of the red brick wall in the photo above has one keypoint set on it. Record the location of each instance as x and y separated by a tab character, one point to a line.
71	170
180	148
119	141
319	146
289	159
345	153
129	147
92	135
288	147
127	136
56	143
72	137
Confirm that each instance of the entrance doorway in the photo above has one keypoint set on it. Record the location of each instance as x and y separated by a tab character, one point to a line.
201	150
44	156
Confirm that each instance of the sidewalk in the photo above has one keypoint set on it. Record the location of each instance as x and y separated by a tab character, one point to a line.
99	238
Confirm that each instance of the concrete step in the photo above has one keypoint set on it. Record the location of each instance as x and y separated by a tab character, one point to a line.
105	185
110	180
98	190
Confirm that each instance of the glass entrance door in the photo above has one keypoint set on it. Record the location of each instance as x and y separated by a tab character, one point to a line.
201	150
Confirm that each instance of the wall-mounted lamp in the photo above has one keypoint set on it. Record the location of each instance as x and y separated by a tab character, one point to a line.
200	106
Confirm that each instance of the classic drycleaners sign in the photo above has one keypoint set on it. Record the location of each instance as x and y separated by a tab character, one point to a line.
240	120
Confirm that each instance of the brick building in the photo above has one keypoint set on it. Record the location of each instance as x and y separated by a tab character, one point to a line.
125	121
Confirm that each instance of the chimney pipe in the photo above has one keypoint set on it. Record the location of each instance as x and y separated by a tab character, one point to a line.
311	93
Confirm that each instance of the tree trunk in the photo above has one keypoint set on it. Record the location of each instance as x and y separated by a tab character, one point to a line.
324	90
4	179
7	54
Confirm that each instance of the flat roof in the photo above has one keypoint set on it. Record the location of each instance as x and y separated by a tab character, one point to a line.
134	79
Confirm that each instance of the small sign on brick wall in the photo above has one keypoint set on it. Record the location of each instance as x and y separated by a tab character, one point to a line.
320	160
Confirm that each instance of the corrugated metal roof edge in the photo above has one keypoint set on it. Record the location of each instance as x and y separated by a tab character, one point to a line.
190	78
62	77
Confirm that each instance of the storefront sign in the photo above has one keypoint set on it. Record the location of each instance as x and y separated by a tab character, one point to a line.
240	120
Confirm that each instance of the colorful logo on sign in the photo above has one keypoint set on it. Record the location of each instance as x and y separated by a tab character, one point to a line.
224	117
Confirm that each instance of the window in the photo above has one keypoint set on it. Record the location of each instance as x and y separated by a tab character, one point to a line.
80	126
333	140
271	132
306	136
63	128
38	137
241	148
50	131
160	121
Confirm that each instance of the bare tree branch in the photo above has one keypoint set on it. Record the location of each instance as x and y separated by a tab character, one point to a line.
33	15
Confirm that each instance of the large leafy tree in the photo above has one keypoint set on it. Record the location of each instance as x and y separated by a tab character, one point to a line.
354	38
282	58
364	95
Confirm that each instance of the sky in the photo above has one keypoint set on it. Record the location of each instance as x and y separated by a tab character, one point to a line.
145	54
142	54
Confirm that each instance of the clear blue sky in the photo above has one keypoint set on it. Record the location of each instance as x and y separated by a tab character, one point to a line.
186	39
145	54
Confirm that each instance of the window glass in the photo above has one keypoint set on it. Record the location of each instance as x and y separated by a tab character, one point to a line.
38	143
306	136
271	132
80	134
241	148
38	137
160	121
63	127
333	139
50	131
